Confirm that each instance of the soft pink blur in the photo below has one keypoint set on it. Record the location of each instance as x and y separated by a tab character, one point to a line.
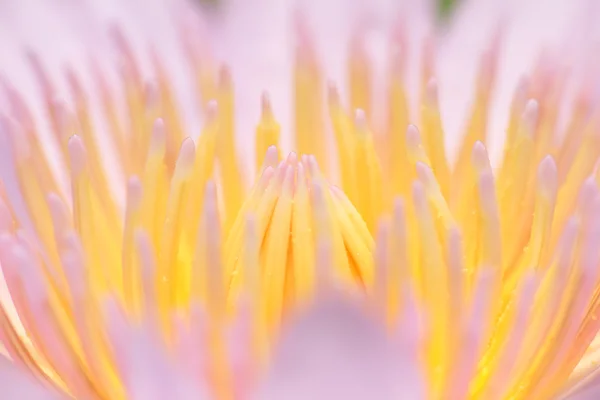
335	351
255	38
17	384
335	347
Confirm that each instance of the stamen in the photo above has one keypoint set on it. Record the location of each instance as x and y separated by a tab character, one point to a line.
231	176
271	159
356	237
208	280
434	194
277	242
414	146
172	285
577	126
480	216
83	215
99	180
585	279
255	290
126	162
30	186
367	173
307	97
382	268
343	131
400	270
267	132
46	332
584	161
535	253
518	104
514	178
475	333
476	129
16	325
235	239
203	170
131	286
491	250
433	135
359	77
147	266
93	350
169	112
9	158
434	286
549	297
324	259
155	184
66	125
398	119
302	238
499	372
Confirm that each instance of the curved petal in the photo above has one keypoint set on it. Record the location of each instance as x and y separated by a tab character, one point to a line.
333	351
17	384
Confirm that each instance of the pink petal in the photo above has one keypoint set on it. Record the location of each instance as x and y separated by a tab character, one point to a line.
333	351
18	384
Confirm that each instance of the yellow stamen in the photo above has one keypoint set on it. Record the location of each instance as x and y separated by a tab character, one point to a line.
267	132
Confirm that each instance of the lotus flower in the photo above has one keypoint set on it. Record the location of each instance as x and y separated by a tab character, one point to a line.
266	200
